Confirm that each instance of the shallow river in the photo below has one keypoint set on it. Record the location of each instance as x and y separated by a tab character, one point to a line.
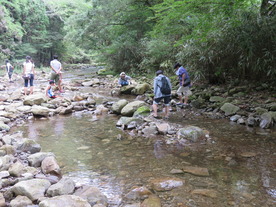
241	160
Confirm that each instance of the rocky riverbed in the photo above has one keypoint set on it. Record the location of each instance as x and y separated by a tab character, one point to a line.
34	178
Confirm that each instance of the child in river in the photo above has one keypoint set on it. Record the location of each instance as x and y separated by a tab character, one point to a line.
49	90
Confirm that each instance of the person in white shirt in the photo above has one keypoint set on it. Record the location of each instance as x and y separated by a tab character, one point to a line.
56	72
9	69
28	75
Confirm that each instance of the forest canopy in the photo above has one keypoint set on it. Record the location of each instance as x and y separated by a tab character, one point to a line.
214	39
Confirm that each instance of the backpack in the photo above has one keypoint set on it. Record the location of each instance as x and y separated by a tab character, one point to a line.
165	87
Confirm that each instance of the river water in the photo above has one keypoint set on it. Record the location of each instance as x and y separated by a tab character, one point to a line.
241	160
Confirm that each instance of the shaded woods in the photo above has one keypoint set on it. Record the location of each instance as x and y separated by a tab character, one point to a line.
217	40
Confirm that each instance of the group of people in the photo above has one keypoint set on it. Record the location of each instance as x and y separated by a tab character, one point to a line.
161	82
28	75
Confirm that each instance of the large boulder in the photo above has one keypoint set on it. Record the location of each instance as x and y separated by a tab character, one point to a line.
118	106
40	110
33	189
64	200
191	133
142	111
141	89
229	109
35	99
64	187
127	89
91	194
131	107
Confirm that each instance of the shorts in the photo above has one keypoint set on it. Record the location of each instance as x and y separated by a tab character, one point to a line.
167	100
55	77
185	91
26	81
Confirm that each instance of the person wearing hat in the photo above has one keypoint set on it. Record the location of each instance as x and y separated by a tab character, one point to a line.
124	80
184	84
162	91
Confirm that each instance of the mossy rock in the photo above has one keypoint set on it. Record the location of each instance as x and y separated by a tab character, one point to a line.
142	111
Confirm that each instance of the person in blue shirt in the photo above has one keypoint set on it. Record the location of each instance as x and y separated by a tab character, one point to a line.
184	84
158	95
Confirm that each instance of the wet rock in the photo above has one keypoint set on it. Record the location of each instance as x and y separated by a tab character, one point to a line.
127	120
40	111
34	189
229	109
28	145
66	110
251	121
49	166
6	161
241	121
163	128
166	184
126	89
131	107
141	89
260	111
176	171
36	159
138	193
272	107
21	201
191	133
91	194
4	174
100	110
206	192
24	109
34	99
196	170
8	150
64	200
266	120
63	187
118	106
235	118
152	201
150	130
142	111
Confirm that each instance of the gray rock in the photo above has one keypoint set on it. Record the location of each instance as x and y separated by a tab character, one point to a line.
141	89
40	110
118	106
131	107
64	187
64	200
36	159
21	201
229	109
235	118
49	166
28	145
91	194
216	99
266	121
191	133
34	189
35	99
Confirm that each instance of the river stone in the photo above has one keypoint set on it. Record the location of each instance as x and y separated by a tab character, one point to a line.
251	121
21	201
272	107
8	150
196	170
34	189
24	109
229	109
64	187
149	131
4	97
206	192
241	121
4	174
49	166
163	128
34	99
131	107
248	154
138	193
28	145
40	110
152	201
142	111
6	161
64	201
235	118
16	95
2	200
101	109
91	194
4	127
66	110
36	159
166	184
118	106
126	89
216	99
260	110
141	89
16	169
191	133
87	83
7	114
127	120
266	120
5	120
